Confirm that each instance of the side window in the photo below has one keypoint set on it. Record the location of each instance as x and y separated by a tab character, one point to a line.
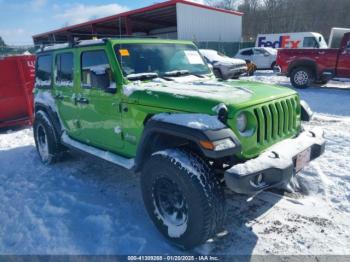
247	52
221	54
310	42
259	52
43	71
94	63
64	67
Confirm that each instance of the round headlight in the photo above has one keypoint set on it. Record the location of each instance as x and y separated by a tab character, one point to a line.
242	122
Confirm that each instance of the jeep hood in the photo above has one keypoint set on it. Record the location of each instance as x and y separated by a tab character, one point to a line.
202	96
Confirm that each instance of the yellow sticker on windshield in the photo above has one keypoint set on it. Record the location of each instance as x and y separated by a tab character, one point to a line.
124	52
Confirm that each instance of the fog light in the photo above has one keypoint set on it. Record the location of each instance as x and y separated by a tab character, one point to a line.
258	181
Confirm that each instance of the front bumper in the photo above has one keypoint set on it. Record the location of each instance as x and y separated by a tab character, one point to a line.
276	166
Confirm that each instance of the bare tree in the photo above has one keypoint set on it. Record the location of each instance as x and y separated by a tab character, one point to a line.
277	16
225	4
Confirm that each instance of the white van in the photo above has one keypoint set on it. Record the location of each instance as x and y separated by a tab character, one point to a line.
291	40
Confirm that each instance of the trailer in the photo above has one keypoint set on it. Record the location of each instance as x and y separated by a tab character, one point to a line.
17	74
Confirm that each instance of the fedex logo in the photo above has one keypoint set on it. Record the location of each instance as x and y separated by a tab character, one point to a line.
283	42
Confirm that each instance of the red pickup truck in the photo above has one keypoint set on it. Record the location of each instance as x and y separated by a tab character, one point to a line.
315	66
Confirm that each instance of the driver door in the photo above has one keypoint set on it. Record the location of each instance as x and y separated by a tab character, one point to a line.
65	85
99	114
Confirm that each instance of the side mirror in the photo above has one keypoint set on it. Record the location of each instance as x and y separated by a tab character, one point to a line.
100	79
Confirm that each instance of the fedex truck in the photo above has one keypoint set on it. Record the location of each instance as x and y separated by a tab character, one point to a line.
291	40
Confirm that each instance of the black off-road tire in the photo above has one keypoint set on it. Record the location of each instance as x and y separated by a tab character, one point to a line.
44	132
302	77
273	65
202	193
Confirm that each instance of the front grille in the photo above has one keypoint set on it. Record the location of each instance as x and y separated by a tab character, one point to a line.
276	120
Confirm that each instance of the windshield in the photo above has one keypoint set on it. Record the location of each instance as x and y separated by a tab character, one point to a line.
159	59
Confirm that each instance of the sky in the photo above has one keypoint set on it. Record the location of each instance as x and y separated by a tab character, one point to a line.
20	19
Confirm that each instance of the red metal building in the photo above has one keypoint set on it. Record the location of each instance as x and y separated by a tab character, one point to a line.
176	19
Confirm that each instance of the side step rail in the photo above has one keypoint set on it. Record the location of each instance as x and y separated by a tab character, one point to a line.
127	163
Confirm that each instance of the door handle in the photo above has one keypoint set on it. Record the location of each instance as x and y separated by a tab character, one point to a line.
321	52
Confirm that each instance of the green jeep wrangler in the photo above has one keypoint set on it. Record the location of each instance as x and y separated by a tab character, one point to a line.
154	106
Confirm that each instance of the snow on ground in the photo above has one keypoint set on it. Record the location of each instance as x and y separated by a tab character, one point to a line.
87	206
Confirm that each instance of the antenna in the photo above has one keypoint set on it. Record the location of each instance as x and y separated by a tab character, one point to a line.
120	27
120	37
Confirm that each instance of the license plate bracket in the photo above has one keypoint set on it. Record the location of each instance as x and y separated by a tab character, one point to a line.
302	159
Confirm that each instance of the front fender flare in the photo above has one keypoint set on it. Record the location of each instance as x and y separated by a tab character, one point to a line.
174	135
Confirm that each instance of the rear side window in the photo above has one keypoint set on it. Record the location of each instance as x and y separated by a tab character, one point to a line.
310	42
43	71
94	62
259	51
247	52
64	66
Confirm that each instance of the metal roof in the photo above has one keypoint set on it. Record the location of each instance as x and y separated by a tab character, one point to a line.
142	19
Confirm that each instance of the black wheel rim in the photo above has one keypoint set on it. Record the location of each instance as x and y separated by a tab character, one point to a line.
170	202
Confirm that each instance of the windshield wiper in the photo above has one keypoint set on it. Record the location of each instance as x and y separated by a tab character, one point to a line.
142	76
177	73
